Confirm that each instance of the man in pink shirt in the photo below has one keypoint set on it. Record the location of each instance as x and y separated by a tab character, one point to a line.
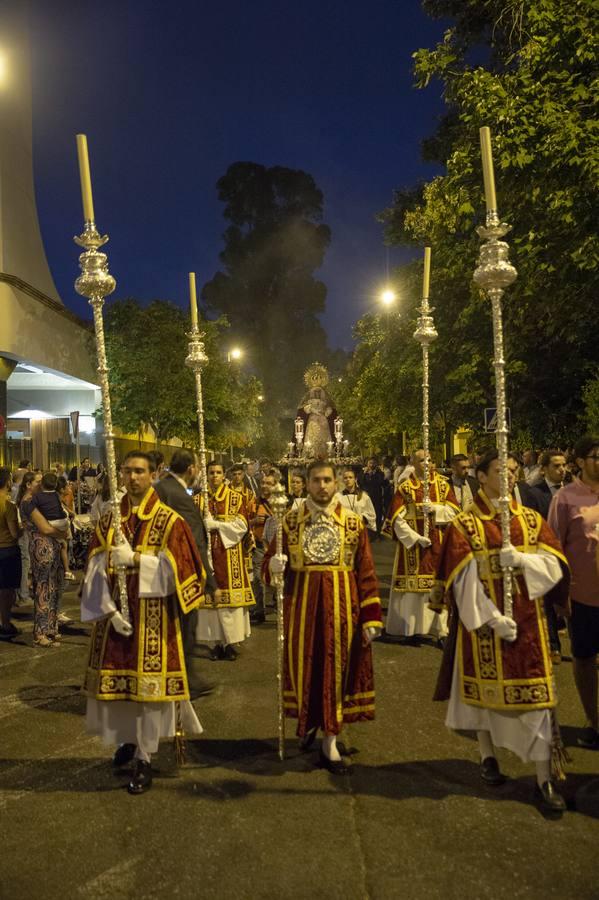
574	516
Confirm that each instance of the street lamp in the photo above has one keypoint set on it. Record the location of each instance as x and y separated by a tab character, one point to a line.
234	353
388	297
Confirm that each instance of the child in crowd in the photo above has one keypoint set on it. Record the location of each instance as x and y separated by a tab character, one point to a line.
48	503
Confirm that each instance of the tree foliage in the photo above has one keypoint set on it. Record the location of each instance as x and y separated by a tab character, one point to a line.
274	243
151	385
537	88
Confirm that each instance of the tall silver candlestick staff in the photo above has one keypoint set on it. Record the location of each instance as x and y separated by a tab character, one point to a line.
278	502
196	360
96	283
494	274
425	334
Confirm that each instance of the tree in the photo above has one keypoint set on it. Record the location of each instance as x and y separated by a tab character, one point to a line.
274	243
537	89
151	385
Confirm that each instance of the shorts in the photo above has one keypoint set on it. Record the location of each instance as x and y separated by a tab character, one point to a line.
584	630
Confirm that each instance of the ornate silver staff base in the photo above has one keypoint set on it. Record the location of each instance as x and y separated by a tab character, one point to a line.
196	360
279	507
96	283
494	273
425	334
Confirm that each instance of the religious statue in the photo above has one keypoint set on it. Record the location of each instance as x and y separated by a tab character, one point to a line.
317	413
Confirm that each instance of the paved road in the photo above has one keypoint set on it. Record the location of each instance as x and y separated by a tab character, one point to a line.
411	821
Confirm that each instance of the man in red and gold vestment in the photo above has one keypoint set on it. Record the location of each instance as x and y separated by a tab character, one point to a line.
496	670
332	612
415	558
227	622
136	672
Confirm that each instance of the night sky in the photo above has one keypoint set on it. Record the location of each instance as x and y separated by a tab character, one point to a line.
171	93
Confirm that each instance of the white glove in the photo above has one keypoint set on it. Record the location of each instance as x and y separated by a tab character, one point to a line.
509	556
505	628
120	626
424	542
210	523
372	632
277	564
123	555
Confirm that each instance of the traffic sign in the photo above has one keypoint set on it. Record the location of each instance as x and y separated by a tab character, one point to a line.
491	418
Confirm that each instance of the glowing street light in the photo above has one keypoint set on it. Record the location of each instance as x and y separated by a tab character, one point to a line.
234	353
3	68
388	297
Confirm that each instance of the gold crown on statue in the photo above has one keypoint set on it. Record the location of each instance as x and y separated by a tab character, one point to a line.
316	376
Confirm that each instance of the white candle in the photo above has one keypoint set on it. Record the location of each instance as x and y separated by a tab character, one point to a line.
193	300
85	178
488	173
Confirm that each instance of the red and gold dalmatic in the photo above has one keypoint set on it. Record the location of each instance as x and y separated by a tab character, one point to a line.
493	673
249	543
328	669
414	568
149	665
230	567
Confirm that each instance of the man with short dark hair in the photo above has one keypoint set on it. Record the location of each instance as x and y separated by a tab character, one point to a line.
408	613
226	625
332	613
496	671
373	482
553	470
136	670
173	490
574	516
464	485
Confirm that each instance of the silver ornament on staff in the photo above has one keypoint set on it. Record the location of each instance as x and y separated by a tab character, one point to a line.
196	360
425	334
96	283
278	503
493	274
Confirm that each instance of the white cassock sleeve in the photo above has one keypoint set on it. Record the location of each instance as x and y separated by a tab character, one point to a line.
156	579
404	532
444	513
156	576
96	599
474	607
231	532
367	511
541	572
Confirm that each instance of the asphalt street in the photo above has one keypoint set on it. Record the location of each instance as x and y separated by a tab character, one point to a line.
412	820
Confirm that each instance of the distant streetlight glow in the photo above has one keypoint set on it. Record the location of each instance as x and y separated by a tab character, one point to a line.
388	297
3	68
260	397
234	353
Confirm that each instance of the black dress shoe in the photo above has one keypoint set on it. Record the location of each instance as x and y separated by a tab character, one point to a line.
141	780
230	653
308	739
550	798
335	767
123	755
217	652
490	773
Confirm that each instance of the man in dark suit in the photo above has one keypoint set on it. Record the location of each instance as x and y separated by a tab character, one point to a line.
553	470
465	487
173	490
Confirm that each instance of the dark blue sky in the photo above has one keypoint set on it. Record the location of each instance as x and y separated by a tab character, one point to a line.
171	93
